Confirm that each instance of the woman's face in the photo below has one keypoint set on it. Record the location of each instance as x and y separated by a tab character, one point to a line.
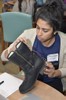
44	31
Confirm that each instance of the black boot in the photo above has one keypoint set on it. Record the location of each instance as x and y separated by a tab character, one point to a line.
30	62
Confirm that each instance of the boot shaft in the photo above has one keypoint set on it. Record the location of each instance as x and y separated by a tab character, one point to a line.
23	57
31	57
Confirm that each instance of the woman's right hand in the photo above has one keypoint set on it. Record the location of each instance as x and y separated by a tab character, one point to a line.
12	47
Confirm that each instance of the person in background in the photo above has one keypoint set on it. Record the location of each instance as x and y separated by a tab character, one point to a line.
63	27
7	4
26	6
64	1
48	41
37	5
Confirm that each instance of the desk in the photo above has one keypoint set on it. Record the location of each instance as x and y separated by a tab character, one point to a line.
42	90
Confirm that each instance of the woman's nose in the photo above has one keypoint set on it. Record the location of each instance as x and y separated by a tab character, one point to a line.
40	32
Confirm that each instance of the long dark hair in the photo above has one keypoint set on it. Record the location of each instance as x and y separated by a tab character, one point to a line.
19	5
52	12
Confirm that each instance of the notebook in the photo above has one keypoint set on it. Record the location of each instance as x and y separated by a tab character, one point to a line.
9	84
2	97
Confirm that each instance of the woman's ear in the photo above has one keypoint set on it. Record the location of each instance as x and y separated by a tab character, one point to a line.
55	32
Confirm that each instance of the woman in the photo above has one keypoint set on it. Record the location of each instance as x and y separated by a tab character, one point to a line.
49	42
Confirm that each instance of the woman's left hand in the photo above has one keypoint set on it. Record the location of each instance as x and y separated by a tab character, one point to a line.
49	69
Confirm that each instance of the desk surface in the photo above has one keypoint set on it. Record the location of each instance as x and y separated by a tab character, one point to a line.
41	90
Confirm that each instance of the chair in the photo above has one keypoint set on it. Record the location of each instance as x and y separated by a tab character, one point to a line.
13	24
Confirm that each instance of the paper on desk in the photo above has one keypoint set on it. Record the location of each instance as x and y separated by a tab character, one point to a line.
10	85
3	98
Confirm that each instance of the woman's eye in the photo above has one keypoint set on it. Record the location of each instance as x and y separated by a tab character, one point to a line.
44	30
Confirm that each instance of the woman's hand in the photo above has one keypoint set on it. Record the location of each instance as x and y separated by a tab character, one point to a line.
50	70
12	47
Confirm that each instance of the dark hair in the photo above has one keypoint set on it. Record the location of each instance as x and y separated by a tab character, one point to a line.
19	5
52	12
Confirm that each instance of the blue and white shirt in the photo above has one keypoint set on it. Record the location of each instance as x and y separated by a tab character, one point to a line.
51	54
